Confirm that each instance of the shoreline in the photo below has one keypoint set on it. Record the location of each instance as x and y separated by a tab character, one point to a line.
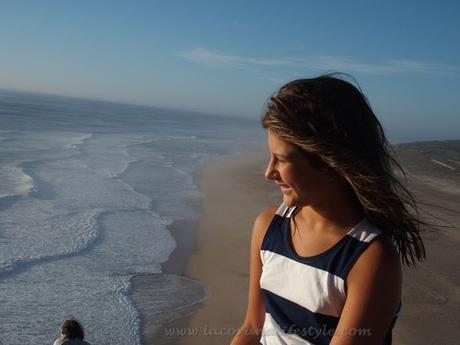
235	192
185	233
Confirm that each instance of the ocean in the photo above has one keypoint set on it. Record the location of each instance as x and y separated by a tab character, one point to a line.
88	193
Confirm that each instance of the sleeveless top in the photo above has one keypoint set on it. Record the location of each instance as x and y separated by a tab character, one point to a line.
304	296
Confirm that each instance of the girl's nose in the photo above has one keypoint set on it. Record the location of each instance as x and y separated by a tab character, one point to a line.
270	171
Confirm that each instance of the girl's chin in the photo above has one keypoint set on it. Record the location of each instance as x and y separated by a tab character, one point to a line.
288	200
292	200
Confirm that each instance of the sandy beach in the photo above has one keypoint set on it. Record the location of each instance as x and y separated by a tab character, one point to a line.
235	192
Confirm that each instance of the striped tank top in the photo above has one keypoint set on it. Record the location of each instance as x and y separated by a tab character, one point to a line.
304	296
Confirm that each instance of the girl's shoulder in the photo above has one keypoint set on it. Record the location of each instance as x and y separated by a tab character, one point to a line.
262	222
381	250
379	262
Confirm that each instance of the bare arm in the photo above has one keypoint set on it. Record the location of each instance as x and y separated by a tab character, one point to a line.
373	295
249	332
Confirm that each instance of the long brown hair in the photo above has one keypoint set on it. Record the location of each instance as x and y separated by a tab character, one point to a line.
331	119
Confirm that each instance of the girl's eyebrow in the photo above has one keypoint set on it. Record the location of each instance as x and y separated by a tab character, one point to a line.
280	155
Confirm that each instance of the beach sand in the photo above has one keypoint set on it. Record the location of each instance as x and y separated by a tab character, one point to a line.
235	192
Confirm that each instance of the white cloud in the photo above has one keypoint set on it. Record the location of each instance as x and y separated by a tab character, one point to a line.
212	58
274	79
425	67
319	62
332	63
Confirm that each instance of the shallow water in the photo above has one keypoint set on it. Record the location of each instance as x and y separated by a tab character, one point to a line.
87	192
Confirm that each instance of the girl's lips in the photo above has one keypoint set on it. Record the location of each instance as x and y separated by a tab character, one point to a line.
283	187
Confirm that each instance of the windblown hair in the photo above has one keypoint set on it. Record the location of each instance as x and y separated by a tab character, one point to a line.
330	119
72	329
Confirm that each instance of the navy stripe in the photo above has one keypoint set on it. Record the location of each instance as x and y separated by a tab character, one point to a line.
272	231
313	327
348	253
337	260
273	239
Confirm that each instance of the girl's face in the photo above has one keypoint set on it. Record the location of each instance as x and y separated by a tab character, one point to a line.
301	183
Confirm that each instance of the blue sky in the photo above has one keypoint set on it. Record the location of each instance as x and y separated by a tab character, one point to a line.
227	57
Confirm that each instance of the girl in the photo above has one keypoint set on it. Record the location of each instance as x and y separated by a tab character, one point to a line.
326	263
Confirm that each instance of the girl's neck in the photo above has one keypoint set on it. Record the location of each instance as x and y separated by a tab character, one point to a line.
342	212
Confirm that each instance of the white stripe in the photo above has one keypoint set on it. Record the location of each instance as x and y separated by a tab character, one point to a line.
272	334
312	288
285	211
364	231
290	212
281	210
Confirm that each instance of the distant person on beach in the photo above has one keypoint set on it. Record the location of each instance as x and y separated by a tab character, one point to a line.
325	264
72	333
